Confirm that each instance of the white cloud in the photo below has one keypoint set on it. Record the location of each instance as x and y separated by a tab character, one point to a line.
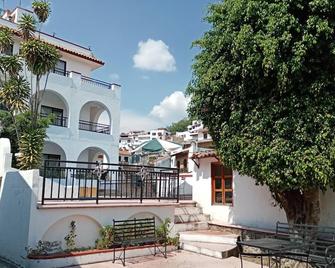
154	55
133	121
171	108
114	76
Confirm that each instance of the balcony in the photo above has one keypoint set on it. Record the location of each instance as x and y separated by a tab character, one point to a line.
83	181
94	127
84	79
59	121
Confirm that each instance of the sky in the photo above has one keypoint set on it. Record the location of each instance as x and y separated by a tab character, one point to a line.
146	47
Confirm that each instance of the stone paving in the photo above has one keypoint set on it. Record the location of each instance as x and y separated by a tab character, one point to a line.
176	259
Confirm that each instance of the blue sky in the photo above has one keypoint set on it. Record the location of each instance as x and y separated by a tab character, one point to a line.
159	32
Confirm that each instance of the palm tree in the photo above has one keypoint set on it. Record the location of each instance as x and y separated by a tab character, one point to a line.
27	26
42	10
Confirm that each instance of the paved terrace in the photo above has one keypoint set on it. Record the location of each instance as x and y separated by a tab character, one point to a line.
180	259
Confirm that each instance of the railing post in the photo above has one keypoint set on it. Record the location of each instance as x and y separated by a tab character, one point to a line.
160	186
141	193
43	185
178	185
97	198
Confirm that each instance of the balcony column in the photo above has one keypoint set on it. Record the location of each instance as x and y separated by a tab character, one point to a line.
76	79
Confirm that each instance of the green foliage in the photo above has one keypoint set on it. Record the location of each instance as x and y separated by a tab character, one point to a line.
39	56
10	65
6	38
163	233
42	10
70	238
179	126
31	141
15	93
264	84
27	26
106	237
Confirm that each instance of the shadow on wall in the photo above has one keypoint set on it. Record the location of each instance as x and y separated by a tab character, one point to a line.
15	202
87	231
253	205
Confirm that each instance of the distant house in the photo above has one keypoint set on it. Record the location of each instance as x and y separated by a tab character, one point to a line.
154	150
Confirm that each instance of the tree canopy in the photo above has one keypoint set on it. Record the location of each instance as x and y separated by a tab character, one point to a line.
264	84
179	126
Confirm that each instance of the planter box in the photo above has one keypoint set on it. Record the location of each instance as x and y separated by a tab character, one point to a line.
89	256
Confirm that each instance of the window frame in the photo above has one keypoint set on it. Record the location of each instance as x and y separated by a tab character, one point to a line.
223	189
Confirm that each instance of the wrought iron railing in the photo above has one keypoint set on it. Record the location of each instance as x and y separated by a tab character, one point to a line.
60	121
94	127
60	71
96	82
71	181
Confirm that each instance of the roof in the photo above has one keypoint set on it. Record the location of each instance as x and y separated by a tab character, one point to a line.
152	146
61	48
157	145
204	154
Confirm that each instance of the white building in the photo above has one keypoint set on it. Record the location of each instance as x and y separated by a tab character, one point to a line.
133	139
195	132
87	110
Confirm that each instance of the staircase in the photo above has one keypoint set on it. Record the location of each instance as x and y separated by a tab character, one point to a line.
189	217
195	236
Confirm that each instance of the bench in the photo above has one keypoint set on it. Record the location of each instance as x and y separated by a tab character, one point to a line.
314	245
136	232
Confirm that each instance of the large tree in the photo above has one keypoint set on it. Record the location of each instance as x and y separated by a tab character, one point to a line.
264	84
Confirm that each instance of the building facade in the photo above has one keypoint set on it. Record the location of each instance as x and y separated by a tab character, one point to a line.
86	110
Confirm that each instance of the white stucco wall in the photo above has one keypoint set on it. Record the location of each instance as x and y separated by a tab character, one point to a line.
78	94
253	205
23	223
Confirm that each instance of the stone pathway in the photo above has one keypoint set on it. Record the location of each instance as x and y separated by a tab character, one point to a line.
176	259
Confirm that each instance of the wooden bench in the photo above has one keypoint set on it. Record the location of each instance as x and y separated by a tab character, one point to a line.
314	245
136	232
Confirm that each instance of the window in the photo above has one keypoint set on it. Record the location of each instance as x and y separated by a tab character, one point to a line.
205	136
185	163
126	159
222	185
178	164
59	119
55	157
60	68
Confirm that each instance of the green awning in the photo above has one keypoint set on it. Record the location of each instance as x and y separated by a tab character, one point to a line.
152	146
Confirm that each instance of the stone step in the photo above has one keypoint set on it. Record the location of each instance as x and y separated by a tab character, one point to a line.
187	210
187	203
190	226
183	218
208	236
220	251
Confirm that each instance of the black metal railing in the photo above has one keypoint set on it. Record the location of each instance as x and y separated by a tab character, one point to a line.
60	121
96	82
94	127
73	181
60	71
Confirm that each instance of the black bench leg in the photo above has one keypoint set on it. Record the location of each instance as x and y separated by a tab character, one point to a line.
155	249
124	256
241	260
165	250
262	261
114	255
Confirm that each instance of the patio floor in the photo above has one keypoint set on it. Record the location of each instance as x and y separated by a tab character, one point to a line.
179	259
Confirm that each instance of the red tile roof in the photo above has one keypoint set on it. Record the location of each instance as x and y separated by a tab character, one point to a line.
66	50
205	154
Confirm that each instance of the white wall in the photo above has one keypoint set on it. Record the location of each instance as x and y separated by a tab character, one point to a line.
253	205
23	223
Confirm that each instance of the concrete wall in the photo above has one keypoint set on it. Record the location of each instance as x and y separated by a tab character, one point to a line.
253	205
72	140
23	223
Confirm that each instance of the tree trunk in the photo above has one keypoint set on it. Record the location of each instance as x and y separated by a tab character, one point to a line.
301	207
